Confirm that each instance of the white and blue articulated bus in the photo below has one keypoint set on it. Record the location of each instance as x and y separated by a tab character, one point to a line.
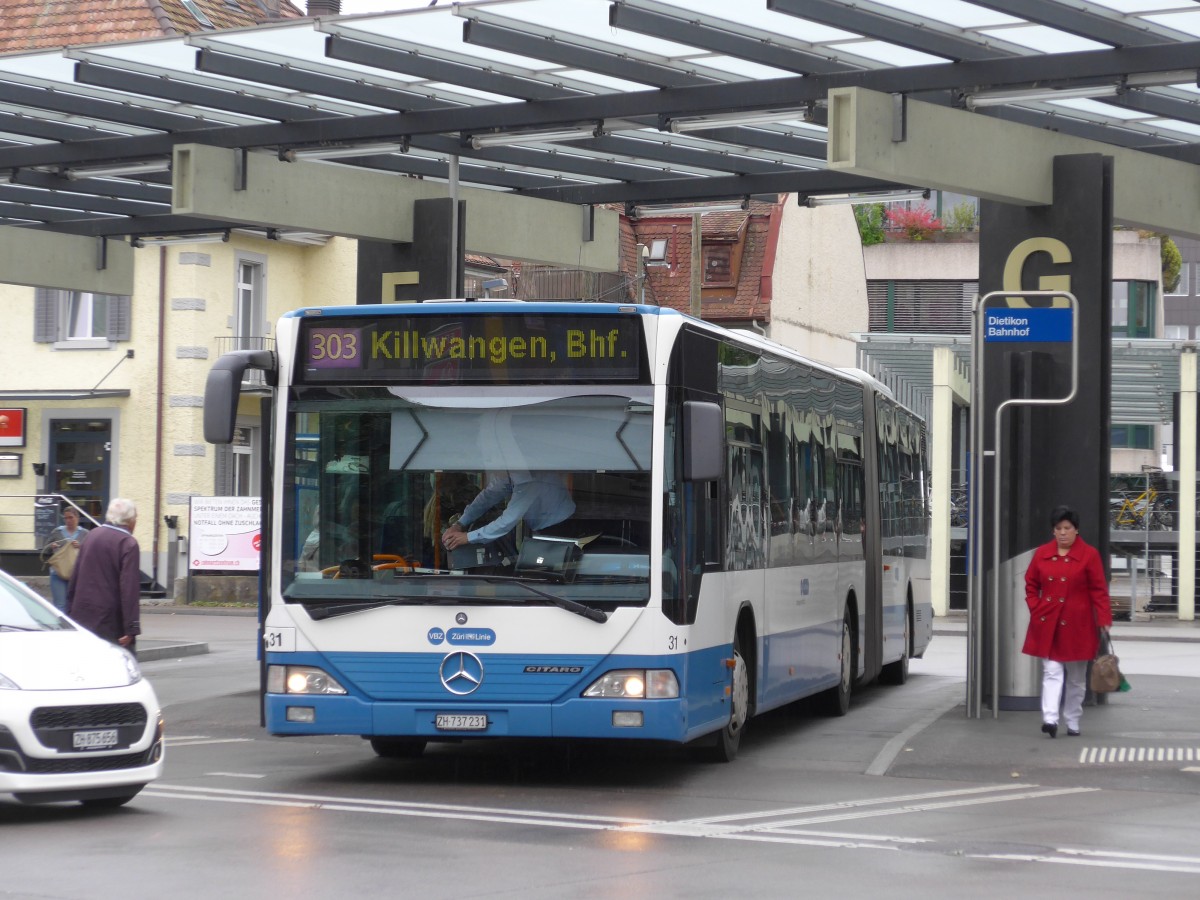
734	527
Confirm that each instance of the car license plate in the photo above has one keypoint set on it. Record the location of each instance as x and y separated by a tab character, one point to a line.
456	722
95	740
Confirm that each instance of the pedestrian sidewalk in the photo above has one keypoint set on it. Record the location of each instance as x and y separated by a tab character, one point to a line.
150	649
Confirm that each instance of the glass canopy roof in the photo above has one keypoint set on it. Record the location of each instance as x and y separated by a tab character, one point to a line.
584	101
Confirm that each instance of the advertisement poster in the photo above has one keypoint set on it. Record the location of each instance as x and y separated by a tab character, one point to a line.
224	533
12	427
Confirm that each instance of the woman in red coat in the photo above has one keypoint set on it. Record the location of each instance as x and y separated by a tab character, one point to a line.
1067	598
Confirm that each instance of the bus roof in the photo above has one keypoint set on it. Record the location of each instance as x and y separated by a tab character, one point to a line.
441	307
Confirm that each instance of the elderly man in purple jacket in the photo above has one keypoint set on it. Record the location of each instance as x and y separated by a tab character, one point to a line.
104	594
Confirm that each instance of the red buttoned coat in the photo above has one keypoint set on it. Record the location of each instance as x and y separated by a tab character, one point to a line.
1068	599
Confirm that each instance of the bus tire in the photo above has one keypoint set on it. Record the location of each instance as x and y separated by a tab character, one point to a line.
836	700
398	748
724	745
897	672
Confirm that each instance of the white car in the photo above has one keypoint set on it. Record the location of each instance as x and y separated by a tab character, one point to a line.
78	722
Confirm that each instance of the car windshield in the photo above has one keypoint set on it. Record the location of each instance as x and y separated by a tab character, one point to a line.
20	611
551	486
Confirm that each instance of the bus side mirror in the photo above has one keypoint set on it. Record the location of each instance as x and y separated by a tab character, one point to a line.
223	389
703	441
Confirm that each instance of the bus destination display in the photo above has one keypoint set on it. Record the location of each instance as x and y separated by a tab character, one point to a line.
478	349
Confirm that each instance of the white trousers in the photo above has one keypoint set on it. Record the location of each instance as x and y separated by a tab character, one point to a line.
1054	694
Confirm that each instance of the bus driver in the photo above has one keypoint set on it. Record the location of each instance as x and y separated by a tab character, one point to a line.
540	499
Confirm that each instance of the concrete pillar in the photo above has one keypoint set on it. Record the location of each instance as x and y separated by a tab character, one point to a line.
941	444
1187	486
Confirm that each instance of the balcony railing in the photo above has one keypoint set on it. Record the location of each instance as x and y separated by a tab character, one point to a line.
227	344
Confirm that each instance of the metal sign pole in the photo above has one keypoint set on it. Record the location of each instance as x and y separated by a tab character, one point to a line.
996	454
977	558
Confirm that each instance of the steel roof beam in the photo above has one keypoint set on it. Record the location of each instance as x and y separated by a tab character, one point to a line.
105	187
1093	23
717	188
887	24
93	108
686	28
770	93
565	52
47	129
69	200
429	67
117	79
293	78
42	214
137	226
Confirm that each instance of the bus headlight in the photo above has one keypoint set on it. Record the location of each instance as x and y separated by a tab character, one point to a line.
301	680
639	684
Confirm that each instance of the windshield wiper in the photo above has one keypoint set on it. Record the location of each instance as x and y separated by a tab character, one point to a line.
346	608
580	609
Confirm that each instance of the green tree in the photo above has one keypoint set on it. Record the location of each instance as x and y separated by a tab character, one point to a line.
870	223
1172	262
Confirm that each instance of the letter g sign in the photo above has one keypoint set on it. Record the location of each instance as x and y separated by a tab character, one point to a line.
1059	252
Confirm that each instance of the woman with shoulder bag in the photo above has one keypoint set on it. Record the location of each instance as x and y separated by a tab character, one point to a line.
1067	598
69	532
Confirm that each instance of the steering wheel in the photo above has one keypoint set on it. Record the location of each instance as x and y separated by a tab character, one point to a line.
380	562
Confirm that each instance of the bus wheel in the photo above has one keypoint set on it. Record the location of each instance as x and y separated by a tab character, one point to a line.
836	700
897	672
398	748
729	738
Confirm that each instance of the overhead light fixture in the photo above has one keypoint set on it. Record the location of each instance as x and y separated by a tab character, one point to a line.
1161	79
205	237
342	152
510	138
757	117
1003	98
859	199
646	211
118	170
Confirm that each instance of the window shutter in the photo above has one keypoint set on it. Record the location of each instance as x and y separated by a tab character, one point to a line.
119	315
223	480
46	303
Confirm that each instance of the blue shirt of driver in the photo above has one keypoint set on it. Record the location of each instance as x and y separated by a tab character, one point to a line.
540	499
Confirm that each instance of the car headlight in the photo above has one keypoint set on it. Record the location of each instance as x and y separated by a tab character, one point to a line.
6	684
638	684
301	680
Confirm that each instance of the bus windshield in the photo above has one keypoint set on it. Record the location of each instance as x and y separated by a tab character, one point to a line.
549	485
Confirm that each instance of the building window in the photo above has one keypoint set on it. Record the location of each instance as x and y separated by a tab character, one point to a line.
249	321
1177	332
1133	308
80	319
1132	437
1182	289
717	260
925	307
237	473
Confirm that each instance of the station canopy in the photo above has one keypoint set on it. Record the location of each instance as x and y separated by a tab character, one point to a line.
641	102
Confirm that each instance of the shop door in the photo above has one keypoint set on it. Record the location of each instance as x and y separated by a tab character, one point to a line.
79	462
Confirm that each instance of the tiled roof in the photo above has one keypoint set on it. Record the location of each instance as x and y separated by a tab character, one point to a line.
27	25
669	284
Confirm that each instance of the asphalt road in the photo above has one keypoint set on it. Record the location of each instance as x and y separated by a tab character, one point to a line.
903	797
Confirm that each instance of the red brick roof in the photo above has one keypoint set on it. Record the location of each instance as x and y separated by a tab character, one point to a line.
669	284
27	25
